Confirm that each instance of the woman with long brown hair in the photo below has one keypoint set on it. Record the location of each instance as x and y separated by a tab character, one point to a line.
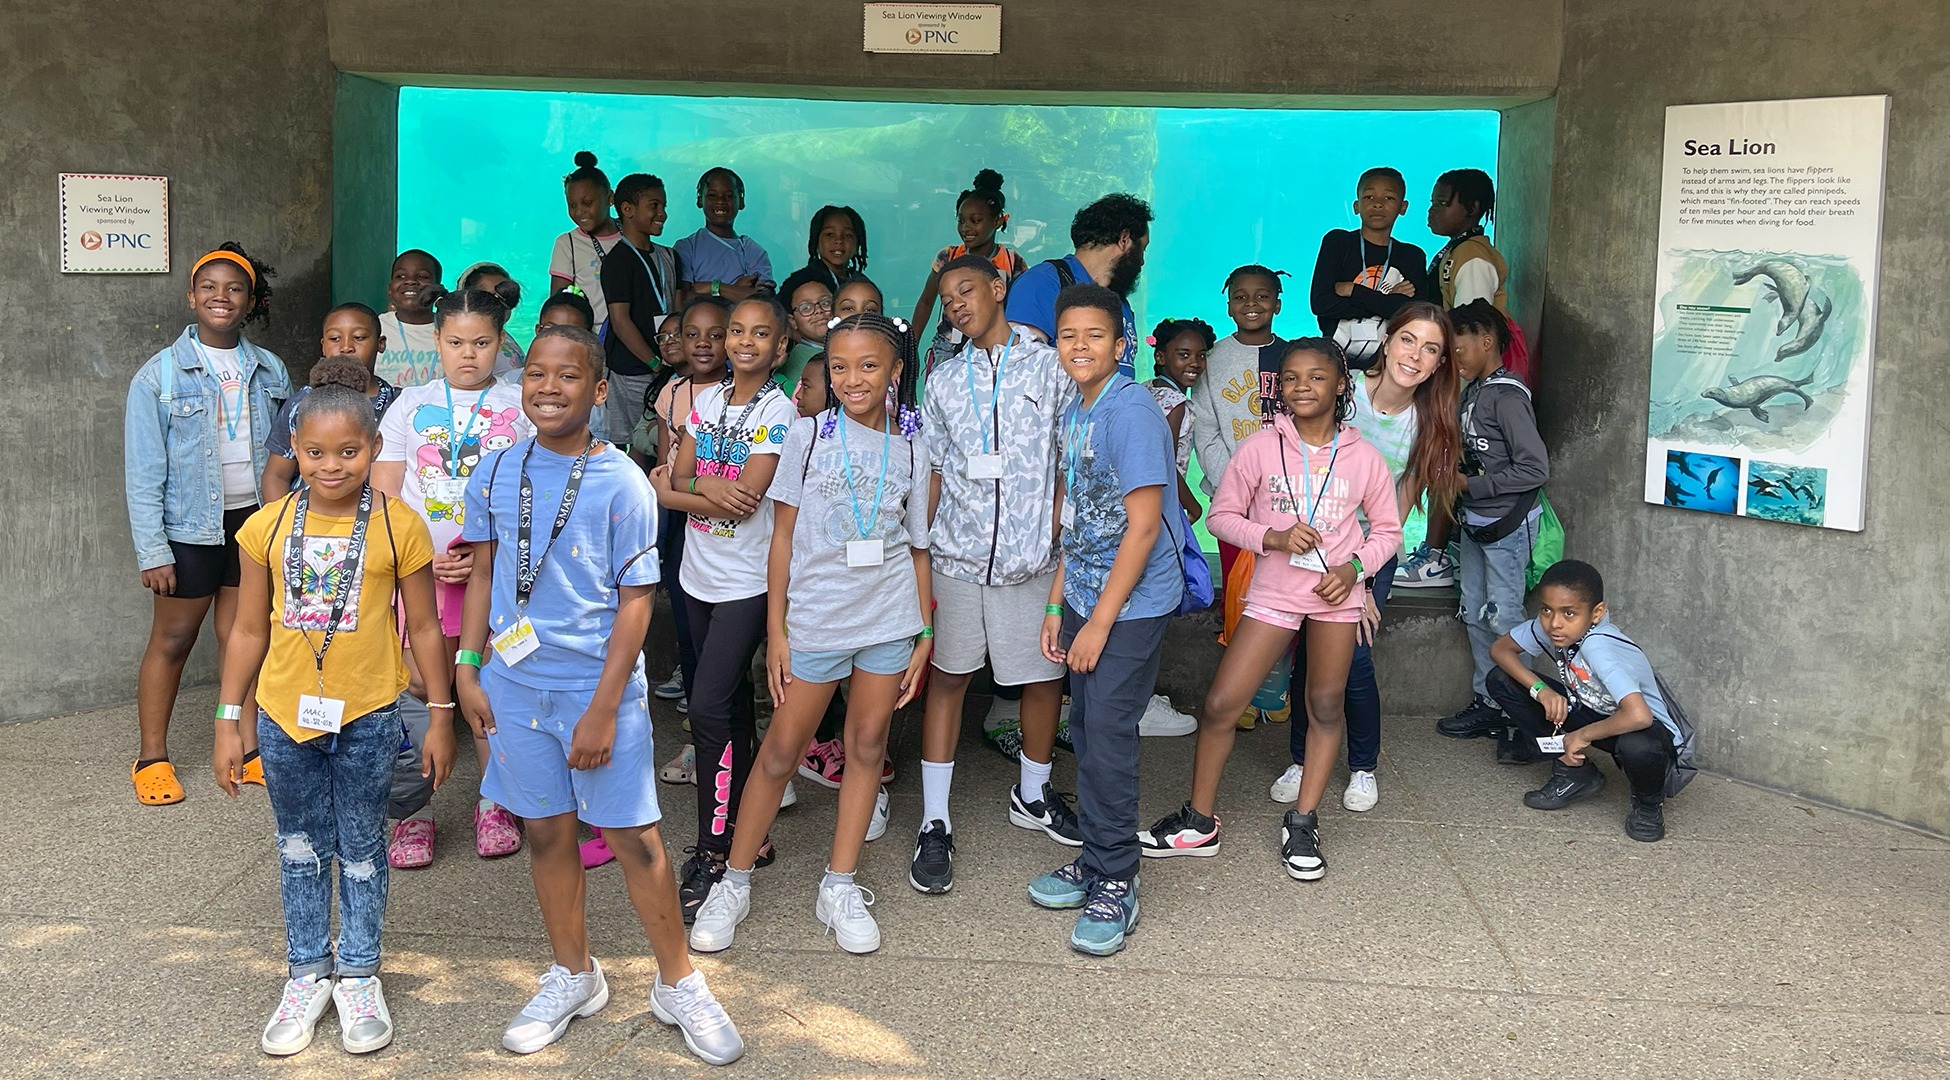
1406	405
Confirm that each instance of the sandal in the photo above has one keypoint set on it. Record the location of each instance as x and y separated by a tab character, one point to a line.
253	772
156	784
681	769
595	852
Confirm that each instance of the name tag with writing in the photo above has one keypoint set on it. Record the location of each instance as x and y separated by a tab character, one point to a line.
320	713
516	642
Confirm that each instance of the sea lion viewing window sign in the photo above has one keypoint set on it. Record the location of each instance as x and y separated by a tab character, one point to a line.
1763	340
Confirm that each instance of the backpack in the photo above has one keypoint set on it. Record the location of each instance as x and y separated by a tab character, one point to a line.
1192	567
1684	765
1065	277
1547	548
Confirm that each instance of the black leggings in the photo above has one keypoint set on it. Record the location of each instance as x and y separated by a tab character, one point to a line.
723	726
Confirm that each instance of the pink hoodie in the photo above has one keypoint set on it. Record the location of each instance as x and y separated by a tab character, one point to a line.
1256	494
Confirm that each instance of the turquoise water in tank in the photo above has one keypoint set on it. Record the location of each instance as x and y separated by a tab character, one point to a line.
480	178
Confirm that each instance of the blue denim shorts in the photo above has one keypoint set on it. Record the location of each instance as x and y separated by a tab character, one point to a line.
832	665
528	756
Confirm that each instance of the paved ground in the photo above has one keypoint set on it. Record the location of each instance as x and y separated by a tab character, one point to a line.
1458	934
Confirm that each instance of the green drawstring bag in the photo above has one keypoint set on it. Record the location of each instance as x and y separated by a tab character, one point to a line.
1548	548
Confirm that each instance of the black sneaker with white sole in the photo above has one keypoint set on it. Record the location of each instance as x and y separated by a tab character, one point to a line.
1300	847
1052	815
1568	784
933	869
701	871
1478	720
1184	831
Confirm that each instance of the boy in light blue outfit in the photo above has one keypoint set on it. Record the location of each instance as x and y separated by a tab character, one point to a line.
565	564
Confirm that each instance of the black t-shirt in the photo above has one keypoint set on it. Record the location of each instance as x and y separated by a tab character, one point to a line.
645	281
1344	256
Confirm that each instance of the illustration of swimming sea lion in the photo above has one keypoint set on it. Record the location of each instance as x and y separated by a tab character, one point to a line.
1751	394
1803	304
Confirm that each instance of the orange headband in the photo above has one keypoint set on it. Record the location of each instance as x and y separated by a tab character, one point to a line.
228	256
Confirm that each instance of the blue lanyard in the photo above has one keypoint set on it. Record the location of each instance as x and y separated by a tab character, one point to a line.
656	281
1076	432
1307	473
453	425
866	526
1386	260
995	394
229	411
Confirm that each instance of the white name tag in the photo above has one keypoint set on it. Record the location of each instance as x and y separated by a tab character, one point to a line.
320	713
1068	515
516	642
870	552
446	490
985	466
1311	560
1551	744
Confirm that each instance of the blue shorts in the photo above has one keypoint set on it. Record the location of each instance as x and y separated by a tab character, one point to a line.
832	665
528	756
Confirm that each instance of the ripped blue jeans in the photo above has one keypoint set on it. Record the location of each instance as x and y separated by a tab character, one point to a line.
1492	594
329	796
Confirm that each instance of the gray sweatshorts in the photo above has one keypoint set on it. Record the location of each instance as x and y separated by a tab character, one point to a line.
1002	623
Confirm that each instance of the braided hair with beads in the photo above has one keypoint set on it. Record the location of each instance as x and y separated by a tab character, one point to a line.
898	334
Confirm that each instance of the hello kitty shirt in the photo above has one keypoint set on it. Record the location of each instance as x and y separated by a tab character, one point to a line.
442	433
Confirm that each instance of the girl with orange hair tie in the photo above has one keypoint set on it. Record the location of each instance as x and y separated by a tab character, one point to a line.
193	447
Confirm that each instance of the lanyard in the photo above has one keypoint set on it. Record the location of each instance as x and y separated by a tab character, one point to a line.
656	280
736	244
1076	431
526	571
599	248
721	452
454	431
349	570
1386	261
231	412
1307	473
995	393
866	525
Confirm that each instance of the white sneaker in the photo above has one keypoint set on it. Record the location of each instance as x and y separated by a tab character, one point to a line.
1160	718
1426	569
365	1024
724	907
788	797
1002	712
289	1029
842	908
877	824
1287	787
1361	793
671	689
564	996
693	1009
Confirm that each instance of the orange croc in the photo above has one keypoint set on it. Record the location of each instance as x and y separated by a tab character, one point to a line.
253	772
156	784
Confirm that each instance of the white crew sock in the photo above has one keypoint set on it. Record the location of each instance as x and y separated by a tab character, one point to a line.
936	778
1032	777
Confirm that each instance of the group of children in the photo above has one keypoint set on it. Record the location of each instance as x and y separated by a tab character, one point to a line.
806	479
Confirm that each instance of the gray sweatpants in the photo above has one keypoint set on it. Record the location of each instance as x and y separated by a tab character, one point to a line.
411	791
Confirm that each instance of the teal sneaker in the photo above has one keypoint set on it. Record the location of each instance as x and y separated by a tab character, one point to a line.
1107	919
1067	886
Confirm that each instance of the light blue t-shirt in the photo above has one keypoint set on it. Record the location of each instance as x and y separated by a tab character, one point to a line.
609	541
706	256
1032	300
1601	670
1111	449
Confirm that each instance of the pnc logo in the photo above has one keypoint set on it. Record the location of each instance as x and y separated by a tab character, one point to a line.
91	240
913	38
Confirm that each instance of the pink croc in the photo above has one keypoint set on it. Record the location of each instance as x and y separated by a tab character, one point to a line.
412	845
824	763
495	834
595	852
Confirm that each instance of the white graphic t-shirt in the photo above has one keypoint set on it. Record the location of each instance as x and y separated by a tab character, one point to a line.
724	559
412	356
442	433
233	427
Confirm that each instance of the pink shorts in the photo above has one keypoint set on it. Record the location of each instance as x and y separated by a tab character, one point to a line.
450	597
1291	620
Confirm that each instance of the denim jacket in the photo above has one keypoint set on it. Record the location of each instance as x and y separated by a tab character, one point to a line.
173	476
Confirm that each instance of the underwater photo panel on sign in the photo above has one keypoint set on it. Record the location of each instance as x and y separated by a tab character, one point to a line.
1796	494
1708	482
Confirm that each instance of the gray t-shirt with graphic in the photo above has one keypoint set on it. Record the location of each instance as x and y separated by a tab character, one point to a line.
832	479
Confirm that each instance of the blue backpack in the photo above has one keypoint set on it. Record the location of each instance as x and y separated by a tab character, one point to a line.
1192	566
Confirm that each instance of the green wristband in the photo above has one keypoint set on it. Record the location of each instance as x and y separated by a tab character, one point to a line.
230	712
468	657
926	633
1052	609
1537	688
1355	560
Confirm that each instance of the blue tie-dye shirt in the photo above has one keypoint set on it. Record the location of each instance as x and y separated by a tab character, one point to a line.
1111	449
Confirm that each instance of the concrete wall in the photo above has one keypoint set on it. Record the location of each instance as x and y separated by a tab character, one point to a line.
1813	660
1494	51
243	131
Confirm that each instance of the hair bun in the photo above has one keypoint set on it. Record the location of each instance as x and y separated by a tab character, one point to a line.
585	159
988	180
